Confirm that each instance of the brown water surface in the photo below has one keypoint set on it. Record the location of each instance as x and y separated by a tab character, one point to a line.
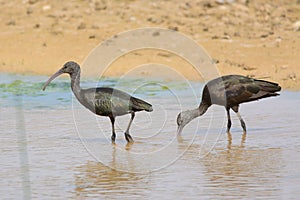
43	156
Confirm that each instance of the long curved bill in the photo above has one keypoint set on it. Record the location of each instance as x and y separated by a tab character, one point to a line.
59	72
179	130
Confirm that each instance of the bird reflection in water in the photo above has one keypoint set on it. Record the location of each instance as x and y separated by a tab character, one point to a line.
229	140
96	179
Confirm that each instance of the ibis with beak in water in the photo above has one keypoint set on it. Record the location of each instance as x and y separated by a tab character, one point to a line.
229	91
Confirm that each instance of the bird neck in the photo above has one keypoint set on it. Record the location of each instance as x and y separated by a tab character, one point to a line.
202	108
194	114
198	111
75	84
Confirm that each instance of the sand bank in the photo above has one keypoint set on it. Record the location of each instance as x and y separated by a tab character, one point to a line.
261	40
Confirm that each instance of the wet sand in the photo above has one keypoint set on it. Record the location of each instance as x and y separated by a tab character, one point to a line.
250	38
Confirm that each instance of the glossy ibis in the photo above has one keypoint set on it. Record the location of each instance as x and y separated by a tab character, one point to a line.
229	91
103	101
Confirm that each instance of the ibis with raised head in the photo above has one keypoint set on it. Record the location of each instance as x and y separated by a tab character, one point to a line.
103	101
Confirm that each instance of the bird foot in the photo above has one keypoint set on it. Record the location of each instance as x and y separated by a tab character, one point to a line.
113	139
128	138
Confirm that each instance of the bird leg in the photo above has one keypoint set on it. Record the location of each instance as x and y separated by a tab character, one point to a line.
229	120
236	110
242	122
113	136
127	135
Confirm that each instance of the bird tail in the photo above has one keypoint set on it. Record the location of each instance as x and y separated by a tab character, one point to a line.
150	109
139	104
267	89
268	86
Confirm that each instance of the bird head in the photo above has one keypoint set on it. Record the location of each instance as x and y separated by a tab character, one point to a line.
183	119
69	68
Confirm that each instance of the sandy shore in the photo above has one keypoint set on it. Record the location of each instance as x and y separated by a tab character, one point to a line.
261	40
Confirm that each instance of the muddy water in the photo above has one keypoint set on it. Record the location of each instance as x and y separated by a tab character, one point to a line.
52	148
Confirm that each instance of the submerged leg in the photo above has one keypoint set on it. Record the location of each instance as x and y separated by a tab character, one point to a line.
229	120
113	136
243	140
236	109
127	136
229	140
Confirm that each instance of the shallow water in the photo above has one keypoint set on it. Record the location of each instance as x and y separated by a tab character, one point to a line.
53	148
